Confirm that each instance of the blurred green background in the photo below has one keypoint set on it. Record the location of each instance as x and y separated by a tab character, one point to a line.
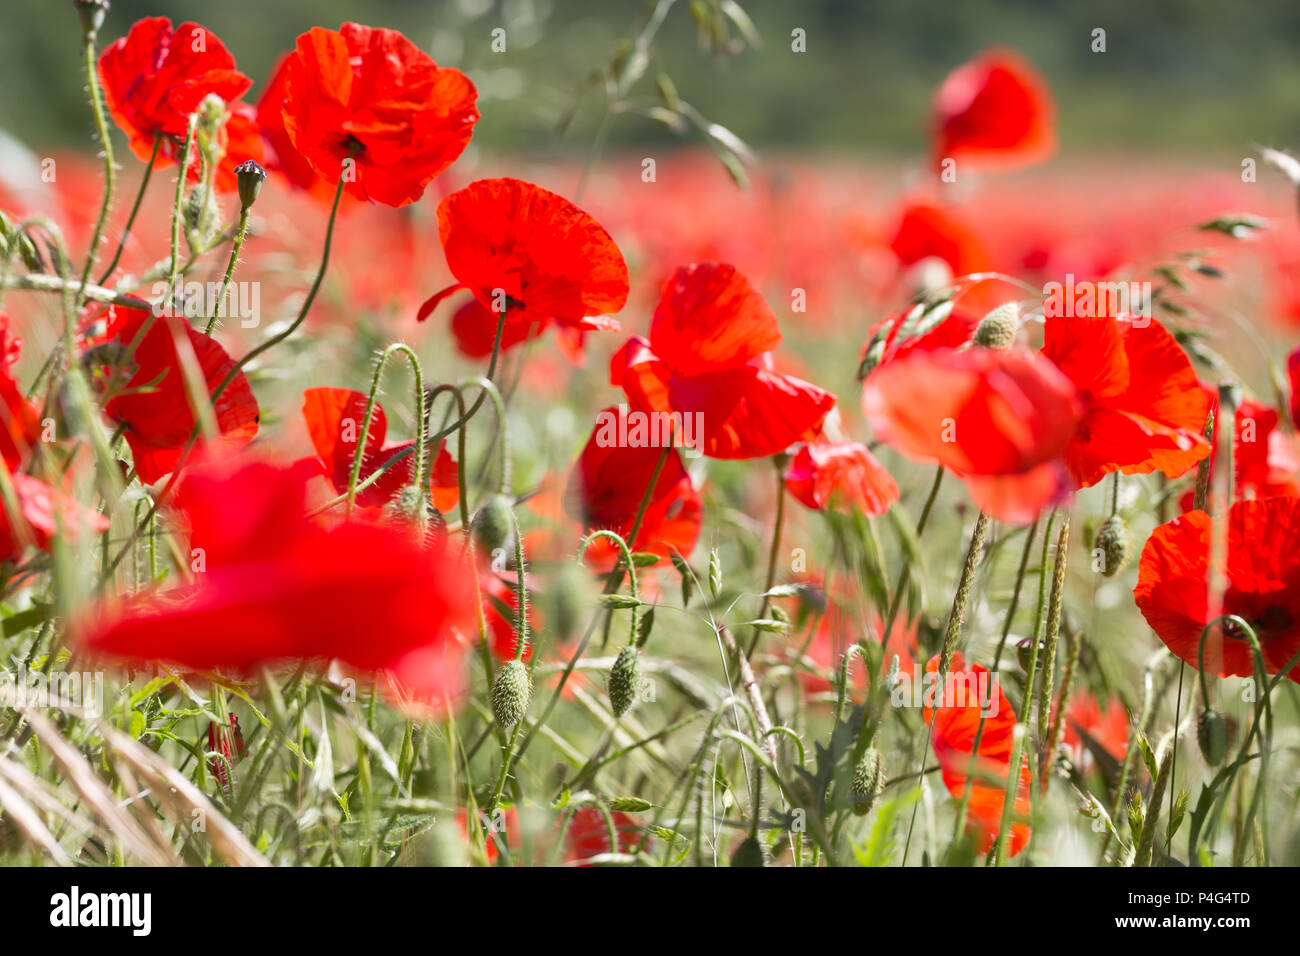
1185	75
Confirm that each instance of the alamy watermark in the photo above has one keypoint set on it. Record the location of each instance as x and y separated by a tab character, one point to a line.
62	690
632	429
1087	299
978	689
202	300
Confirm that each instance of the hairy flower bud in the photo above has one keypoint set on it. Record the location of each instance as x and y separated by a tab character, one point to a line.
868	781
249	175
1213	735
493	524
624	679
511	693
998	329
202	217
1115	545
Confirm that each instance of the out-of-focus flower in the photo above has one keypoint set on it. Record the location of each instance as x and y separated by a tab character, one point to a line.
273	585
994	113
845	474
999	419
1263	569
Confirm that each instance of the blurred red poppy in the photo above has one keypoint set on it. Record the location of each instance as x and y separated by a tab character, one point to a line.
501	608
956	722
1000	419
281	155
373	97
240	141
844	474
1144	409
530	253
154	405
708	360
1087	722
21	420
928	231
607	486
42	512
272	585
1263	569
1264	456
154	78
588	834
994	113
1293	375
334	418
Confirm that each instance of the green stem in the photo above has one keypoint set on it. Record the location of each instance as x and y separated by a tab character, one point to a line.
230	269
106	145
135	209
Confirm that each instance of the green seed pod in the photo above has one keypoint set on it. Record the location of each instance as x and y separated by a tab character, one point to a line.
998	329
249	175
511	693
1115	545
868	781
1213	734
624	679
493	524
749	853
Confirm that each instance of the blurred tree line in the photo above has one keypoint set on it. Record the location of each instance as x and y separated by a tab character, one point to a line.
1186	75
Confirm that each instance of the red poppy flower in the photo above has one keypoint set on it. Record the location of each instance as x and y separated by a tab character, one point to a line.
475	331
998	418
373	96
42	513
927	231
280	154
588	834
1263	569
154	78
276	586
229	742
844	474
994	113
956	723
1087	721
334	418
609	482
154	404
1144	409
11	345
1293	374
708	360
240	141
1264	460
532	253
20	418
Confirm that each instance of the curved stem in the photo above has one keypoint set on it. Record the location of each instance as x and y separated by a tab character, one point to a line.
106	145
135	209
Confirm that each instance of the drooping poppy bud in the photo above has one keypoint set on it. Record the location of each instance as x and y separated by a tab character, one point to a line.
1115	544
624	679
92	13
511	693
493	524
749	853
1214	734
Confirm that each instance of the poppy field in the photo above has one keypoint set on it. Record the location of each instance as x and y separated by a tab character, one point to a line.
371	498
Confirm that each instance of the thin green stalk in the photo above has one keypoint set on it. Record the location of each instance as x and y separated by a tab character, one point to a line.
238	244
106	146
135	209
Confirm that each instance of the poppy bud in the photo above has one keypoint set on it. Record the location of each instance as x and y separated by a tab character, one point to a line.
249	175
511	692
624	678
409	510
1023	650
1115	544
998	329
749	853
92	14
1214	734
202	216
868	781
493	524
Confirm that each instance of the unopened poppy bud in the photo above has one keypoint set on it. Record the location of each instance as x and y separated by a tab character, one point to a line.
1023	651
493	524
998	329
249	175
511	693
92	14
409	509
1115	545
624	679
1213	735
868	781
202	217
749	853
